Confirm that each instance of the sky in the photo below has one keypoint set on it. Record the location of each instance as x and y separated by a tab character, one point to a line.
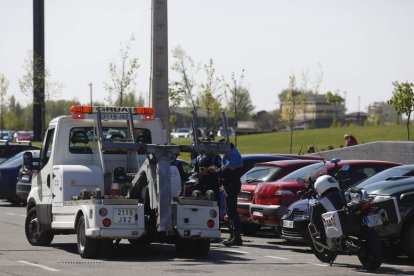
355	47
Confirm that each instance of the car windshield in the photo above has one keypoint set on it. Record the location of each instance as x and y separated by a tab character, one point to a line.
182	130
304	172
259	174
14	161
392	172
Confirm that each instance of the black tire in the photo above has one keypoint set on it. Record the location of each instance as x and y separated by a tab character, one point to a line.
87	247
407	240
34	233
372	252
249	229
203	247
323	255
278	231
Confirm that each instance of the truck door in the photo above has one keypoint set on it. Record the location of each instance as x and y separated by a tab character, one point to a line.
45	177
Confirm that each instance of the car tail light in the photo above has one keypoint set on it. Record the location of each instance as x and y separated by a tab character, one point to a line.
210	223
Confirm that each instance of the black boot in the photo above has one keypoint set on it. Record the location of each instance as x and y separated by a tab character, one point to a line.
236	240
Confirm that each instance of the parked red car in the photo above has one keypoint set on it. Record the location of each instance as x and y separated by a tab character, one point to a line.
271	200
263	172
23	136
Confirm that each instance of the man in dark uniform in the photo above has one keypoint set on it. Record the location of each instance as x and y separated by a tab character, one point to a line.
230	174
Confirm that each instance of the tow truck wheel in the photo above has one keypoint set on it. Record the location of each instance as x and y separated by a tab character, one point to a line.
87	247
34	232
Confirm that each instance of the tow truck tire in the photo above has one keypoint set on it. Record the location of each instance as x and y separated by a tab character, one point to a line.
203	247
407	239
87	247
34	232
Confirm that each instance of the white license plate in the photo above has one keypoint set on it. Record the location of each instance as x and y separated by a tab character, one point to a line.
288	223
114	116
373	220
125	216
257	214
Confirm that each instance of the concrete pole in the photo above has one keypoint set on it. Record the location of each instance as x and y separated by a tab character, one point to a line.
38	69
159	63
90	92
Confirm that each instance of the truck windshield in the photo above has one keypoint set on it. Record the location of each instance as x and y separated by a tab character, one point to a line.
84	139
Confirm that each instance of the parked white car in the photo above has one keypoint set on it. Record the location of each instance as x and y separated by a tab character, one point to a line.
181	133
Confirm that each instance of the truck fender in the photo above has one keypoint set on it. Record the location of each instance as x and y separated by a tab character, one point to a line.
81	212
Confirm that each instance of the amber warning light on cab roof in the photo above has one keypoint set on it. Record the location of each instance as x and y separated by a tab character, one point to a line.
81	112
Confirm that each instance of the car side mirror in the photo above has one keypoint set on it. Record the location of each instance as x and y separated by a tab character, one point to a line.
28	160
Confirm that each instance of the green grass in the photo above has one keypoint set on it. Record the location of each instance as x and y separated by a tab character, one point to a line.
279	142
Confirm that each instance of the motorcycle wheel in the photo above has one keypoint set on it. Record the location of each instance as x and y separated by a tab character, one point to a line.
323	255
372	252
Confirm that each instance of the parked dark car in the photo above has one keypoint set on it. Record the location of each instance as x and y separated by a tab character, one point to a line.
9	171
24	177
8	149
295	220
402	189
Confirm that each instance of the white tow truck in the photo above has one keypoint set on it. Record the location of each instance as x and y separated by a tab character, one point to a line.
105	174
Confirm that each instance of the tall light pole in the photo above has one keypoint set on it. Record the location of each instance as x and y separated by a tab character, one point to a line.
159	63
38	69
90	91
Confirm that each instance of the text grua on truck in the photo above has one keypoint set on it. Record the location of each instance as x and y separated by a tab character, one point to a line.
104	173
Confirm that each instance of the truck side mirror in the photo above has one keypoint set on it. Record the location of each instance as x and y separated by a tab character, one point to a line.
28	160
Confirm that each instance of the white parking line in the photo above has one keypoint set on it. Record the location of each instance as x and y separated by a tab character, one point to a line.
319	264
38	265
235	251
279	258
12	214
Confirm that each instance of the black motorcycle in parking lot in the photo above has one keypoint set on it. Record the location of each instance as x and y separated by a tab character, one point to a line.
338	227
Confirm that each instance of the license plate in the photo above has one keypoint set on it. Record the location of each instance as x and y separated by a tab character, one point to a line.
125	216
114	116
257	214
373	220
288	223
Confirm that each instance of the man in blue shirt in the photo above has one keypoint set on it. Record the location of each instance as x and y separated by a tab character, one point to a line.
230	174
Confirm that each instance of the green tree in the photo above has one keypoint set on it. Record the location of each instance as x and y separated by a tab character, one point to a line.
209	95
122	77
130	99
239	103
403	101
28	80
335	99
4	86
288	112
183	89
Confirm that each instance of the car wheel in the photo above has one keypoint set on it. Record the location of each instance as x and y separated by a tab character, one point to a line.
407	239
35	234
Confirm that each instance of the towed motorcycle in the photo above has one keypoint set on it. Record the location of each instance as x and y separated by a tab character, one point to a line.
338	227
